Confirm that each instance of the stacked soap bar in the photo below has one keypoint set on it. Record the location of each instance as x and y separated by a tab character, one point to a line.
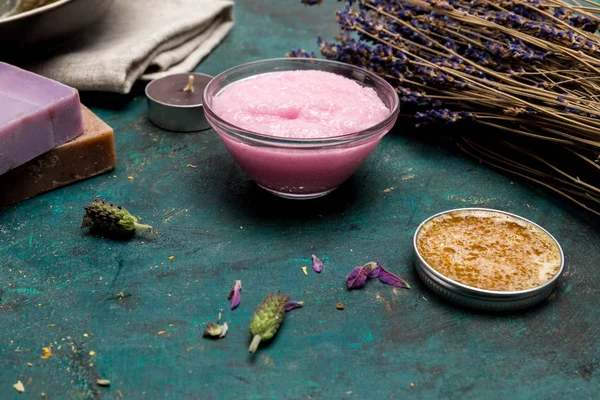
88	155
36	115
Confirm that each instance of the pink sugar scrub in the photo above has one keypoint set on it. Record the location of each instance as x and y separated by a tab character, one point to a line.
300	107
300	104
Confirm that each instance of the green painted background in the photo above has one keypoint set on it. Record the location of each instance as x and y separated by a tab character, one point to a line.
58	283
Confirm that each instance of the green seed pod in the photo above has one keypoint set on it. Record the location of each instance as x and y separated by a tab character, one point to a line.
267	318
111	218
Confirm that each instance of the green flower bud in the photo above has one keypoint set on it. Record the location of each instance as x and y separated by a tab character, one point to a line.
111	218
267	318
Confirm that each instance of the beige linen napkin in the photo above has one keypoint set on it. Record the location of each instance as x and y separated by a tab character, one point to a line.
139	39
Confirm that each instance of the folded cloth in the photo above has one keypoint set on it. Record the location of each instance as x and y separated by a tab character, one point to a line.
138	39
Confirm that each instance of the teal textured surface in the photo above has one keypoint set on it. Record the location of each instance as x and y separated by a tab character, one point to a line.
142	314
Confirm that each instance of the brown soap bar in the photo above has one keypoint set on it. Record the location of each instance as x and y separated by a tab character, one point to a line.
83	157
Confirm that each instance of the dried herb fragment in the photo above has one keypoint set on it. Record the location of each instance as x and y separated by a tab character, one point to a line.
46	352
293	304
111	218
358	277
267	318
375	269
235	295
214	330
391	279
317	264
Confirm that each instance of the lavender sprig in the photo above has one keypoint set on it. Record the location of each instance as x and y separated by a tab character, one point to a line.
266	319
111	218
531	68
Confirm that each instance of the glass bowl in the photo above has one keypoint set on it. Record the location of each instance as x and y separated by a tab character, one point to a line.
299	168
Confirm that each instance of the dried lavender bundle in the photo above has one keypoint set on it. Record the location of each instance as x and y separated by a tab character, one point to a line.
530	68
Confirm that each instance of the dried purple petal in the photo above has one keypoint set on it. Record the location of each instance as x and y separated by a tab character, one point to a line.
215	330
375	273
354	273
356	278
375	269
293	304
235	295
317	264
359	275
391	279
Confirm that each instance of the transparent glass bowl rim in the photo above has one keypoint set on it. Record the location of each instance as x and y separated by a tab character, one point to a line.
278	141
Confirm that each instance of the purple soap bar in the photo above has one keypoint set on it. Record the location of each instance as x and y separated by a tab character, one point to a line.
36	115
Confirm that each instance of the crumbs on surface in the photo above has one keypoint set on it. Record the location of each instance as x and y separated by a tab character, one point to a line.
19	387
488	250
102	382
46	352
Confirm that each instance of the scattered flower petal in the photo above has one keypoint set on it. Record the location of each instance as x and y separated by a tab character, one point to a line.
214	330
304	271
375	269
356	278
317	264
102	382
293	304
359	275
391	279
235	295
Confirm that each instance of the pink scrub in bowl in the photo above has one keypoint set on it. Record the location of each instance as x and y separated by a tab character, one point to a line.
300	127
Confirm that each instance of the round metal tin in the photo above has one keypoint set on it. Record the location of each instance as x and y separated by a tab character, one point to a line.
482	299
171	114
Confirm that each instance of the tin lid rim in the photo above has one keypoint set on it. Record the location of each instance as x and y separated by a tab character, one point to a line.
494	295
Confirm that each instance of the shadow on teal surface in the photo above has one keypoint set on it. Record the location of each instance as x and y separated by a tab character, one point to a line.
61	286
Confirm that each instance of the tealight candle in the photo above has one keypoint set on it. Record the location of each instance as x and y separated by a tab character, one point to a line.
175	102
